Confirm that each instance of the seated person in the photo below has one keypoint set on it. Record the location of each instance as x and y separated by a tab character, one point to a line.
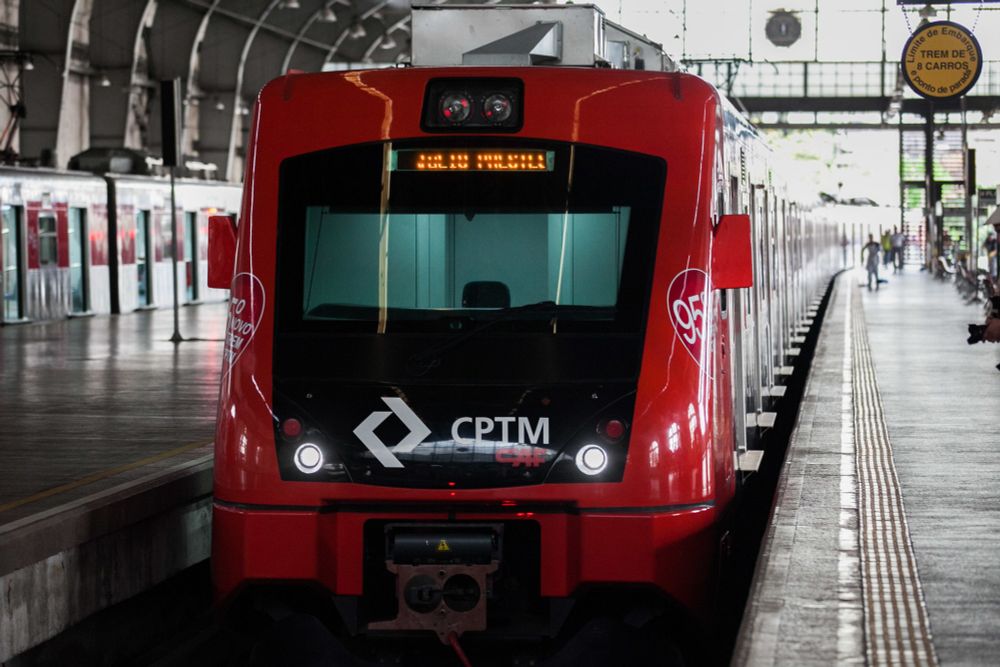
992	333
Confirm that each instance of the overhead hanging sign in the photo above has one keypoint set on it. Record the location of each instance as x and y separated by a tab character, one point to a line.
942	60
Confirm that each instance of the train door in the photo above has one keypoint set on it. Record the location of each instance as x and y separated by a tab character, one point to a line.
78	261
737	338
12	264
786	271
144	258
755	367
778	284
765	238
191	255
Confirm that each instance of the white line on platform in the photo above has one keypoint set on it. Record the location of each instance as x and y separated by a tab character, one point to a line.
850	613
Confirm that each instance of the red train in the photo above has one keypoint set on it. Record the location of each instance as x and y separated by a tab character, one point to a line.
499	339
74	244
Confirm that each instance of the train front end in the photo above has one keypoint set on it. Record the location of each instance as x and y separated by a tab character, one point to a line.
474	380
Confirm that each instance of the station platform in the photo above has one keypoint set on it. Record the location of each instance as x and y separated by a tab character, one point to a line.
105	462
881	548
883	539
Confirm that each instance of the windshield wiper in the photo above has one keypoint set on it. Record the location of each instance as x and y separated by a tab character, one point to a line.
422	362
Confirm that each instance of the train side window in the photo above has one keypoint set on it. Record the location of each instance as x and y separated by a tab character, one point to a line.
48	241
78	264
190	255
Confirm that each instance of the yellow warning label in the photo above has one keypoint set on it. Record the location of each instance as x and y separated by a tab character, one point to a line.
443	546
942	59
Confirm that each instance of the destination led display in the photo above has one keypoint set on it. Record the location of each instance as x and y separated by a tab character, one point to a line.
480	159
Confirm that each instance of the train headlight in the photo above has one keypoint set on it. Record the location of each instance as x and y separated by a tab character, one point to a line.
497	108
591	460
308	458
455	107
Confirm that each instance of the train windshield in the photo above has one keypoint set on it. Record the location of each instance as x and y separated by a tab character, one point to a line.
430	244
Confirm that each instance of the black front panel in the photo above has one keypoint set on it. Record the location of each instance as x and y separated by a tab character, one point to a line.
443	322
469	437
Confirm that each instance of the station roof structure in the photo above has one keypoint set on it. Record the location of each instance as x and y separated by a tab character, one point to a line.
84	73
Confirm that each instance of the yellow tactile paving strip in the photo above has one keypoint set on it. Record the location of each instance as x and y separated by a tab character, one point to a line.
896	626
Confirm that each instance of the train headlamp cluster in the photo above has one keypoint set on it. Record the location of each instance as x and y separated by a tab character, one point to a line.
456	108
597	453
455	105
305	453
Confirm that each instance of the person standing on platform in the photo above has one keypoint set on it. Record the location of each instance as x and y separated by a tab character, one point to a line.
990	247
886	247
870	256
898	242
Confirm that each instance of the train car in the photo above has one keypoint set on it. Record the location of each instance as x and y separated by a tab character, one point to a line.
54	251
76	244
143	249
503	329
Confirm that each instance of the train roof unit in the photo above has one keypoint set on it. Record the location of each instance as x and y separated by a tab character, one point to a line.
522	35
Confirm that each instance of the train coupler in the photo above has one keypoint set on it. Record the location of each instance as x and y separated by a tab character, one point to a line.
442	576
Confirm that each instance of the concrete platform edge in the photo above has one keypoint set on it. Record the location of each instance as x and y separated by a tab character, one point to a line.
67	563
798	615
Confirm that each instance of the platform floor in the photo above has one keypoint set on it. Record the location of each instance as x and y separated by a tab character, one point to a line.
90	403
883	546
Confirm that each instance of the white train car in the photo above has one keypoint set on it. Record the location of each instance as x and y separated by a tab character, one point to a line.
76	244
144	251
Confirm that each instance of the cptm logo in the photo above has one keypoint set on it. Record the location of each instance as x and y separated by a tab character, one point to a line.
514	453
386	456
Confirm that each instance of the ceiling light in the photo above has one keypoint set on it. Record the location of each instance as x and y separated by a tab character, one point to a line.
220	105
357	31
387	42
327	15
289	4
104	81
